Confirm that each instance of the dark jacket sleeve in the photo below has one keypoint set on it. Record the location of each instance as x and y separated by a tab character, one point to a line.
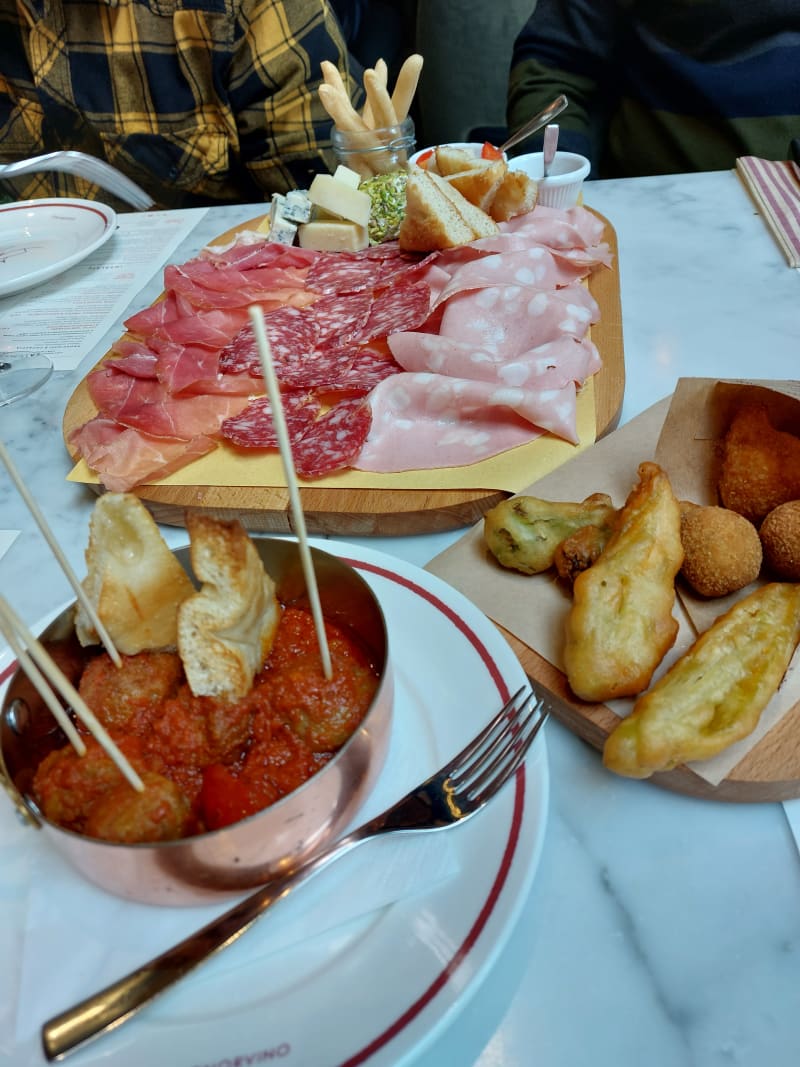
566	46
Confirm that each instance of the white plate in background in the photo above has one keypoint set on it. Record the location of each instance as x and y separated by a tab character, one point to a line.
41	238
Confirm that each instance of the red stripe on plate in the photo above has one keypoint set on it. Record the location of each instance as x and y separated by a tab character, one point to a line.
509	851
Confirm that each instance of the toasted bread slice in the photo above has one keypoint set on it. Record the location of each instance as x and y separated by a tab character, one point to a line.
133	579
225	630
516	194
452	160
481	224
432	221
479	184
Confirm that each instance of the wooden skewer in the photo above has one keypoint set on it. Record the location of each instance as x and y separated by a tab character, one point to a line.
273	392
40	685
72	577
62	685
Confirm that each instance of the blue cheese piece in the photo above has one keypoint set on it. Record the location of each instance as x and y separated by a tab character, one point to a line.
296	206
332	235
339	199
282	231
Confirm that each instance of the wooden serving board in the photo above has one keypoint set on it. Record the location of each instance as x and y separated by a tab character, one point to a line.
365	512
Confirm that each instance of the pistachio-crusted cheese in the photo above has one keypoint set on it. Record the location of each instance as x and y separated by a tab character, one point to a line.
387	194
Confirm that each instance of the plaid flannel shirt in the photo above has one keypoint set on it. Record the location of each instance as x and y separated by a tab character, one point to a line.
199	101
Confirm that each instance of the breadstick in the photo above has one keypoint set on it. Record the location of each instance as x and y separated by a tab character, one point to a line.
406	86
338	106
379	100
383	74
332	75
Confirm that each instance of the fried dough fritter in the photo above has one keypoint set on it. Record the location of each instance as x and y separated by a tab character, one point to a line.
715	693
721	549
760	465
523	532
780	539
580	550
620	624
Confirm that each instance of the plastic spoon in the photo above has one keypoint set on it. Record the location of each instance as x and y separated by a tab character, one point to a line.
549	148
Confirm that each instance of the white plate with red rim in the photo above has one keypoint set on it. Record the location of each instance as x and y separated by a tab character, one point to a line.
42	238
380	988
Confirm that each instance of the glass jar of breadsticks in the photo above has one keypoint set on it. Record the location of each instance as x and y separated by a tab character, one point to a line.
376	151
379	138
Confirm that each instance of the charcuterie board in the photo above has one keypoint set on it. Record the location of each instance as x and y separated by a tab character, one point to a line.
364	512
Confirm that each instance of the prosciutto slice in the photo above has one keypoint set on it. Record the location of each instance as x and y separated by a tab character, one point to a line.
126	458
148	406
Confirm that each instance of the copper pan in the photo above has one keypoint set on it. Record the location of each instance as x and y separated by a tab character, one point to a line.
210	866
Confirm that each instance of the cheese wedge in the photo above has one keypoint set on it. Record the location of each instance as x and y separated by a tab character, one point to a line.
332	235
340	199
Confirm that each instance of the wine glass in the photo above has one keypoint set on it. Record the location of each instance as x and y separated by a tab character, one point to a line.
22	374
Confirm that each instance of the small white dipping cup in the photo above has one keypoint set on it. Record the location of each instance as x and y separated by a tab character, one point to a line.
562	185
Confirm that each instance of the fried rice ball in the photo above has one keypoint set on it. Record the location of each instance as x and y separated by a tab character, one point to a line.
722	550
780	539
760	465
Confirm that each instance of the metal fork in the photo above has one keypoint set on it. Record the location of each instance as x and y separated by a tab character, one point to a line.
460	789
85	166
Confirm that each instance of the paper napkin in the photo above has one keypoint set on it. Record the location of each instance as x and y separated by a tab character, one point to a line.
775	188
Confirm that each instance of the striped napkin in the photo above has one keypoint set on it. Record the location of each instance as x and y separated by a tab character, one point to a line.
775	188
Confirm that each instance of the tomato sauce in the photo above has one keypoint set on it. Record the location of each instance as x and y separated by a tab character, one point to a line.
206	763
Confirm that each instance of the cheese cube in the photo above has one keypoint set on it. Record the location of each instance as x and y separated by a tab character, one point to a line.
340	199
332	235
347	176
297	206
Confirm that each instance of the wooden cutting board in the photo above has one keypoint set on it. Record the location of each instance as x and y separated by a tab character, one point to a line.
365	512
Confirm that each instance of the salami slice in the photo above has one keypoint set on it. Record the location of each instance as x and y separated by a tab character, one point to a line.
401	307
334	440
341	316
254	426
341	272
291	333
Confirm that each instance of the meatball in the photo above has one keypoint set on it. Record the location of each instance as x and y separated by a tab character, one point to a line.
160	812
780	538
125	697
721	549
66	786
322	711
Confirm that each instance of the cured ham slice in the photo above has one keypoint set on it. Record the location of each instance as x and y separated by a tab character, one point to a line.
210	291
126	458
150	407
423	421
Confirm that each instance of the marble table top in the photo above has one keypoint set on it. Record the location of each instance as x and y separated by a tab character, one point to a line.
659	929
